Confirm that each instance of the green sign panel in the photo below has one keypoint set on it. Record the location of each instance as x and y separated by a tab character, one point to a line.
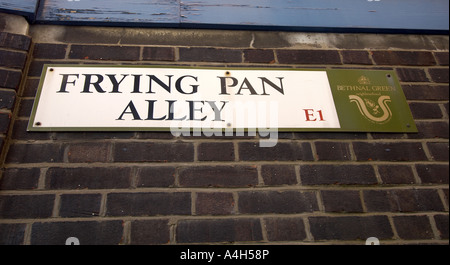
151	98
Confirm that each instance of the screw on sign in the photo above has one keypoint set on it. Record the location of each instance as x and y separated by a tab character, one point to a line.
72	241
372	241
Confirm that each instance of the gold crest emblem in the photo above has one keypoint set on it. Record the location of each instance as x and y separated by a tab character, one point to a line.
363	80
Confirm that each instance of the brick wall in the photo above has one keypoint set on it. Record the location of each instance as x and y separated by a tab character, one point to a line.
154	188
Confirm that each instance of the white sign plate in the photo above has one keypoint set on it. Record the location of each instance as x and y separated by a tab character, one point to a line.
88	98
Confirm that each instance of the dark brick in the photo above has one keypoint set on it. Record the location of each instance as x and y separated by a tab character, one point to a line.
342	201
20	132
428	130
7	99
337	175
150	232
218	176
277	202
259	56
350	228
425	111
442	225
356	57
49	51
159	54
12	59
92	135
217	203
283	151
35	153
439	151
26	206
210	55
285	229
12	234
10	79
25	107
413	227
88	152
402	200
329	135
396	174
442	58
88	233
412	75
156	177
216	151
308	57
439	75
20	179
148	204
31	86
4	122
219	230
403	58
80	205
278	175
14	41
97	52
426	92
88	178
389	151
333	151
433	174
154	152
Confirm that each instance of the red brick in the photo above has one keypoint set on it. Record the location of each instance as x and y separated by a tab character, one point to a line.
217	203
218	176
219	230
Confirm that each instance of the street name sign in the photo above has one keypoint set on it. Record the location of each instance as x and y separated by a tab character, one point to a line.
162	98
